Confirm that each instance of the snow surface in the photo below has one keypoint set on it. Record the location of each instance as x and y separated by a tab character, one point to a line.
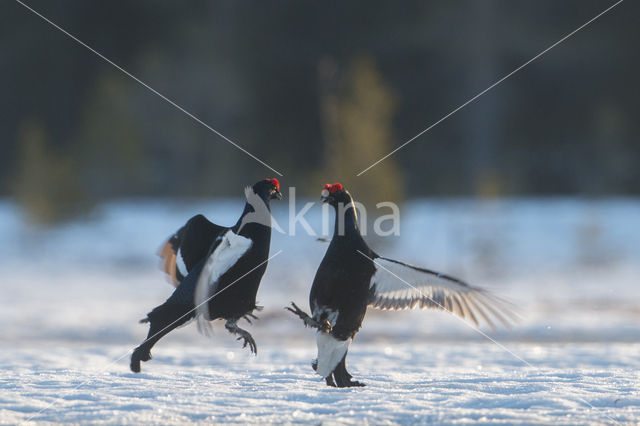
72	296
440	383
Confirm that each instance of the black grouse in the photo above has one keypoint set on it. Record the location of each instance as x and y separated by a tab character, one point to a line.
224	267
352	277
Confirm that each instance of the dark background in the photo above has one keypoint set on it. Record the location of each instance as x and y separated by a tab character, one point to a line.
318	90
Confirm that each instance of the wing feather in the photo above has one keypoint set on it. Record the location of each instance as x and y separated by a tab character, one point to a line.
457	307
398	285
480	308
505	316
191	243
168	263
228	249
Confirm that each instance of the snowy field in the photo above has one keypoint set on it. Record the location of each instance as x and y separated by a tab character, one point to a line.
72	296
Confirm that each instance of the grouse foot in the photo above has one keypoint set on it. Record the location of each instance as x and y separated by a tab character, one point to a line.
342	376
328	379
308	321
232	326
342	380
137	356
350	384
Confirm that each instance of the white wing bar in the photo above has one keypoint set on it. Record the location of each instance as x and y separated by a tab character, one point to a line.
230	249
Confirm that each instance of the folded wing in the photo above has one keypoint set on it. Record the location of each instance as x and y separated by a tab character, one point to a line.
397	285
227	250
191	243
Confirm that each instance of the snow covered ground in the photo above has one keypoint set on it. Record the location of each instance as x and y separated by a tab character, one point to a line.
428	383
71	297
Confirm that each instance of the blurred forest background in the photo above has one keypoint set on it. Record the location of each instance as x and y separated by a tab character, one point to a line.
318	90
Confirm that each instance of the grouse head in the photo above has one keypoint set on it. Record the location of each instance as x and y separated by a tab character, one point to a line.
268	189
335	194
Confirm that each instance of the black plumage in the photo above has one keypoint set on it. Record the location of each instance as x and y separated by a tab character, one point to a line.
191	243
224	266
352	277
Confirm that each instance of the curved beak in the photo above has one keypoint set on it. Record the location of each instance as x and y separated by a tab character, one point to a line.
277	194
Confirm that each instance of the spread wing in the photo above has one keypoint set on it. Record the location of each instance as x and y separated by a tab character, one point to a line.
398	285
191	244
227	250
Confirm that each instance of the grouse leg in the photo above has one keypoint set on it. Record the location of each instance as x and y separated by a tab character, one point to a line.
232	327
163	320
308	321
342	376
329	381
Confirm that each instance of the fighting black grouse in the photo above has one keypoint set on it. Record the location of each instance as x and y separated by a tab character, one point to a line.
224	267
352	277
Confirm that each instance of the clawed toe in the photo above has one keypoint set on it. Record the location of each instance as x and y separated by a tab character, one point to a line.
341	383
248	340
325	327
350	384
242	334
296	311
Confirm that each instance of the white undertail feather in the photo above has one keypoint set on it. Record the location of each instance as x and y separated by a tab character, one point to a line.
330	352
231	248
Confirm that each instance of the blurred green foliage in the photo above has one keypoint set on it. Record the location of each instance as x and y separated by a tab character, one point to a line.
47	181
358	111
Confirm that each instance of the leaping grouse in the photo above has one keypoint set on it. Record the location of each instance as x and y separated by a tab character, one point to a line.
224	267
352	277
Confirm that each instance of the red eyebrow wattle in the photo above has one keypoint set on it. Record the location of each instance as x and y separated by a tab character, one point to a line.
275	182
332	188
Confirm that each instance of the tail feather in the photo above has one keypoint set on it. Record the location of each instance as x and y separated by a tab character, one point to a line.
330	351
